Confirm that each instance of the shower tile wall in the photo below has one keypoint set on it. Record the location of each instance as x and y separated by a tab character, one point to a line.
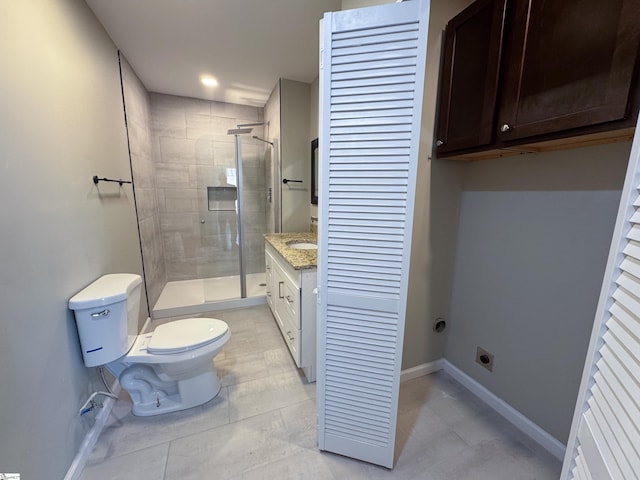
137	108
192	151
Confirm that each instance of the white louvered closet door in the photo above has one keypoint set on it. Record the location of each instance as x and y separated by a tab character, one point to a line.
371	83
604	443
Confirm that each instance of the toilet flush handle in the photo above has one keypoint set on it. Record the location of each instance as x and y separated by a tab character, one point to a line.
103	313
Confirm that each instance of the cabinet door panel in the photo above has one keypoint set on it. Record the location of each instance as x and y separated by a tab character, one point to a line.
269	275
469	77
568	64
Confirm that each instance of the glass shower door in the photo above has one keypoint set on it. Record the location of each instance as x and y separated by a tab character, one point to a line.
254	222
219	242
236	219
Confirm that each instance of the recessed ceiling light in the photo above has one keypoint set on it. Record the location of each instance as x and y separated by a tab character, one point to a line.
209	81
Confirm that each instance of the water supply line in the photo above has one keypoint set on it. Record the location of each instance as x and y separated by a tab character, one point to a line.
104	381
90	404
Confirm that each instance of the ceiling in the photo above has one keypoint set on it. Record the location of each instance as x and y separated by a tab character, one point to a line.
245	44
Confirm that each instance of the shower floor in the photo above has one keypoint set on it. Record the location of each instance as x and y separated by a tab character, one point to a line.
187	297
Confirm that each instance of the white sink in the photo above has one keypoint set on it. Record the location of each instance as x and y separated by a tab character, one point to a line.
302	245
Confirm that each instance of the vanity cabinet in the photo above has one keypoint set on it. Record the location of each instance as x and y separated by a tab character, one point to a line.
293	304
530	72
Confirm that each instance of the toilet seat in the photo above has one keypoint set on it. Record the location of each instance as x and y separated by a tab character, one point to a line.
186	334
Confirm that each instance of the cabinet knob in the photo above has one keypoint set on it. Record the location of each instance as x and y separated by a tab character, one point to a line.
439	143
505	128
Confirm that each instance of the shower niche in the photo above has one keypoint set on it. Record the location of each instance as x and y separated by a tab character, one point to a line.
222	199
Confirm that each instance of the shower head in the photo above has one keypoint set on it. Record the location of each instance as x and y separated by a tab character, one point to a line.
262	140
238	131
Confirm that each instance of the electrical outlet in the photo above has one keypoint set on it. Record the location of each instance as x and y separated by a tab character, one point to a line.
484	358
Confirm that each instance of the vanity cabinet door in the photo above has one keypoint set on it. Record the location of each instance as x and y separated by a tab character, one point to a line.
567	64
270	280
469	77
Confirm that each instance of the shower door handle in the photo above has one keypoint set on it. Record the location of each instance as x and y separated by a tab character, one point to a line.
280	284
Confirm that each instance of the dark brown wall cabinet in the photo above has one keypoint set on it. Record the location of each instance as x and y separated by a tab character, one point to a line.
530	72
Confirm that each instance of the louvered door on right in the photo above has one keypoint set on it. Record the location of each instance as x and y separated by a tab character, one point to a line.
371	83
604	443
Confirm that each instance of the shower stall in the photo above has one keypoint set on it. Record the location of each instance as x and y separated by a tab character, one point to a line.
212	194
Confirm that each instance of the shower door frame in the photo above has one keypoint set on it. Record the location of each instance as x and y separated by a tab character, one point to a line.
241	217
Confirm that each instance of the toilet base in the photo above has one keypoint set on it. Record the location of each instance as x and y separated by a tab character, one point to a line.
152	396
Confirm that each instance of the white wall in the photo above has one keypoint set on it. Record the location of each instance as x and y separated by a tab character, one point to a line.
61	123
532	245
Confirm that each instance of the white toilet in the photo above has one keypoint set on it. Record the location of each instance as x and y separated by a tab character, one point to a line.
167	370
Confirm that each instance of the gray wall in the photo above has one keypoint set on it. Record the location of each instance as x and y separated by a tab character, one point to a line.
138	116
296	155
532	245
191	149
61	123
288	120
313	127
272	167
435	218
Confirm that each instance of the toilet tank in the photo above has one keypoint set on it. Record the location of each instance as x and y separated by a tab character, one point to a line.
106	314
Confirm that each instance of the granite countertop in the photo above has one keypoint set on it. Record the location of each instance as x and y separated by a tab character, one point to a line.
298	259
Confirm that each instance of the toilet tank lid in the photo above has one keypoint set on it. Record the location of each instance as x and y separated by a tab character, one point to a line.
105	290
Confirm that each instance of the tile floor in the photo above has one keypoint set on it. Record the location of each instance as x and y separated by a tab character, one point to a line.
262	426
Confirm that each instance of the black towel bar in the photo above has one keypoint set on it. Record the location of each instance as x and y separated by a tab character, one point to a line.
120	181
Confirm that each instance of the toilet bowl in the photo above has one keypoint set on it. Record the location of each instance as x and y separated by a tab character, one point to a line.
163	371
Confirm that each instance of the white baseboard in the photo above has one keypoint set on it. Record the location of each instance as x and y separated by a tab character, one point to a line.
90	439
522	423
421	370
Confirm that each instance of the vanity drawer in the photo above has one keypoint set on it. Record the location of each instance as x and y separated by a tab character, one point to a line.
291	336
291	300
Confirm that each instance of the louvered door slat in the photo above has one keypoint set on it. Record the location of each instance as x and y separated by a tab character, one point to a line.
601	433
581	471
621	413
604	442
632	250
617	437
611	381
613	364
632	266
371	86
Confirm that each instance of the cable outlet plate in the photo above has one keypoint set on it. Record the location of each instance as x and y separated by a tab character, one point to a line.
484	358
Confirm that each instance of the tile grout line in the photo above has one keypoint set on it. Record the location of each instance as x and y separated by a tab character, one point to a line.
166	460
